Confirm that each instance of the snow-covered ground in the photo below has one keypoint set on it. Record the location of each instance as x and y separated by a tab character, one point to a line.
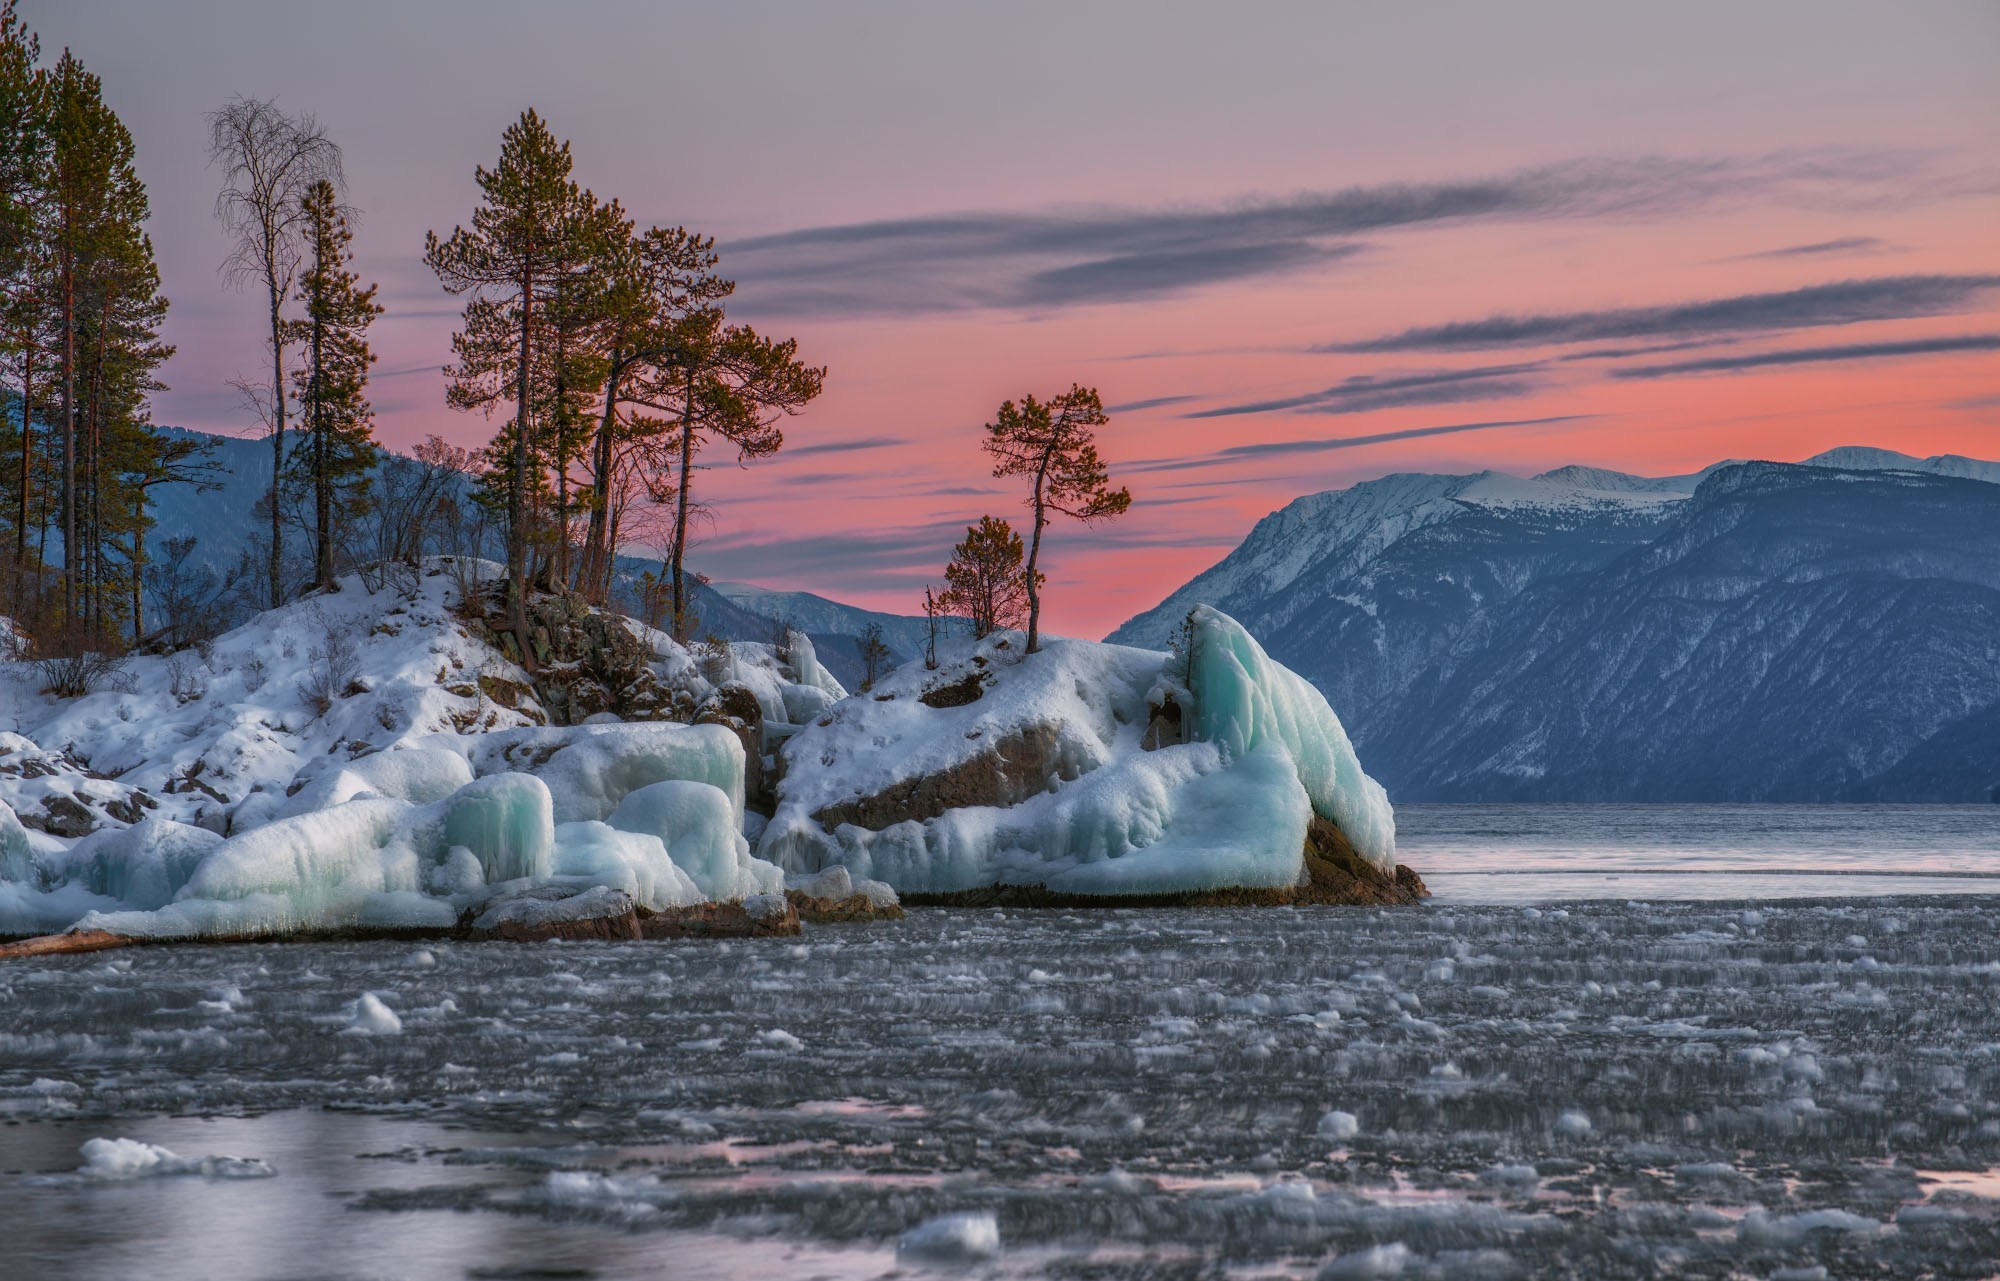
364	759
367	760
1606	1090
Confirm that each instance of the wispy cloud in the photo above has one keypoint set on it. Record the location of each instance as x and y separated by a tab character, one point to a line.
1816	355
844	446
1041	259
1820	248
1843	302
1157	402
1365	392
1327	444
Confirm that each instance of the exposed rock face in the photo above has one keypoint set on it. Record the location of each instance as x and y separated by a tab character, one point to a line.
585	662
734	707
832	911
1013	769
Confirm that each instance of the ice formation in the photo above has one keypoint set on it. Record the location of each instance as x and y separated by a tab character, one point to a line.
1018	769
212	795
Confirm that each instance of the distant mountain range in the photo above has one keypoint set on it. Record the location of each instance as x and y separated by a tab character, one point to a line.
1819	631
223	523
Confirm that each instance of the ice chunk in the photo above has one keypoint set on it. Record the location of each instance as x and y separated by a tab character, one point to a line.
144	865
507	821
310	860
541	908
121	1160
1373	1264
373	1018
967	1237
696	824
589	769
1339	1125
1244	700
419	775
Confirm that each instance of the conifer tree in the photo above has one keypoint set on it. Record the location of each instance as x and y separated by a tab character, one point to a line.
331	465
509	262
985	581
25	318
1055	444
728	383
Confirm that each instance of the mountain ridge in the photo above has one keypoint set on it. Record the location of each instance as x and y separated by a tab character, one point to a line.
1752	631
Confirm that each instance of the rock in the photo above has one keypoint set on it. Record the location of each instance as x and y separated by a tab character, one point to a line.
720	920
61	816
1007	773
967	689
834	911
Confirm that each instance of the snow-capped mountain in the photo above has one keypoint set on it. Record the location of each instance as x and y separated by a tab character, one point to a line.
1827	630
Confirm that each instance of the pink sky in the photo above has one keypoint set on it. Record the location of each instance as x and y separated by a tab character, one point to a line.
1176	205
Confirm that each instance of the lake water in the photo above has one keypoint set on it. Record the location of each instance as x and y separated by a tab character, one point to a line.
1529	853
1649	1077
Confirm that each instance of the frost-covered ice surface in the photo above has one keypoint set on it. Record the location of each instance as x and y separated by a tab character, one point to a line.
1597	1090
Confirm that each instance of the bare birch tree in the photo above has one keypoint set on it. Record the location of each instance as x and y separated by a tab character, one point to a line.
269	160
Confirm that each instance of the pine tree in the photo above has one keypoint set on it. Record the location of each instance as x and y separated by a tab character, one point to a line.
985	581
25	317
722	382
1055	444
509	262
331	465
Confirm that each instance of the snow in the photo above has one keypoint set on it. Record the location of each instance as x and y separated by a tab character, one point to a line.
123	1160
968	1237
1229	809
372	1017
233	803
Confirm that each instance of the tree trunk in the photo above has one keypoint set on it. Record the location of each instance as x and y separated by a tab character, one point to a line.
322	495
1034	553
69	440
277	442
27	453
594	576
680	626
517	494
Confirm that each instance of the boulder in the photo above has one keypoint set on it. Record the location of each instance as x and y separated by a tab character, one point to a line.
1007	773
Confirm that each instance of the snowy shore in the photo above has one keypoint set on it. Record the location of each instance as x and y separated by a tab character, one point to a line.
374	763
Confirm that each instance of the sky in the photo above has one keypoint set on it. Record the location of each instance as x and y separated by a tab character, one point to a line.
1294	246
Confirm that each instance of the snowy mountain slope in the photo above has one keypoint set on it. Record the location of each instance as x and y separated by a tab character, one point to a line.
1588	636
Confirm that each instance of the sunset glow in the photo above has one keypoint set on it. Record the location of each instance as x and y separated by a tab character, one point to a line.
1265	245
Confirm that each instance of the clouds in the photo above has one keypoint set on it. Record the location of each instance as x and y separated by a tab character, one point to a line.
1279	449
1821	248
1034	260
1366	392
1816	355
1843	302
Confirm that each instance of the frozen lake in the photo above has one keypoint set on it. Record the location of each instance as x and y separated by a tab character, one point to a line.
1533	853
1590	1089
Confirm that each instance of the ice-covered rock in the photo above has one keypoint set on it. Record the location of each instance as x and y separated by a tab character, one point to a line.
1066	770
366	760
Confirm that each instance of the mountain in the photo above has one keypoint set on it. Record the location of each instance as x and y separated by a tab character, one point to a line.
1828	630
223	522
